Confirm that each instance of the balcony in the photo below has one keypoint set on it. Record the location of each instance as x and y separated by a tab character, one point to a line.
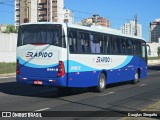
42	12
17	7
17	18
17	2
17	13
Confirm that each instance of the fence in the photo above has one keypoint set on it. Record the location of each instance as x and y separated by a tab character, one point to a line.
8	43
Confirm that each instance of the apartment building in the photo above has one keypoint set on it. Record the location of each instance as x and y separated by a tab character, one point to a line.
41	11
68	16
129	28
96	20
155	31
50	10
25	11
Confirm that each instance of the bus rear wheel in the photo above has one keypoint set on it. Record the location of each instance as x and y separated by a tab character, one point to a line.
101	83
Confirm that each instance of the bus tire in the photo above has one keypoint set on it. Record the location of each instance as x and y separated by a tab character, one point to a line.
136	77
101	83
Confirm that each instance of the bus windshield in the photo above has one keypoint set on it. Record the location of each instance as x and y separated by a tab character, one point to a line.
40	34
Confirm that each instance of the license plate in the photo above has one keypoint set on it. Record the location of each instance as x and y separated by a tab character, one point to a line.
36	82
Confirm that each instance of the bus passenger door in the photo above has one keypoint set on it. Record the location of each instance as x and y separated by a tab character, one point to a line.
144	52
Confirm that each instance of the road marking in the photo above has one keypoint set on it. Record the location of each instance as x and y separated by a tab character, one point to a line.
142	85
42	109
107	94
151	106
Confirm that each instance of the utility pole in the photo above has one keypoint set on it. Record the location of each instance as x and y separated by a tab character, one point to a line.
136	27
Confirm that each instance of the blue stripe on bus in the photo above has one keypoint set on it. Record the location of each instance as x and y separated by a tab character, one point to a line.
85	68
72	64
26	63
128	59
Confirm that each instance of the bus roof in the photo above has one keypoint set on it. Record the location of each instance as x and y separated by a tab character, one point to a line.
101	29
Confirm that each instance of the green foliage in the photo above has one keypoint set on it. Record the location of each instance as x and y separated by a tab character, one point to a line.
158	51
11	29
153	58
7	68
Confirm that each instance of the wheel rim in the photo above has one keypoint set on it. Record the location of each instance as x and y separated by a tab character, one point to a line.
102	83
136	76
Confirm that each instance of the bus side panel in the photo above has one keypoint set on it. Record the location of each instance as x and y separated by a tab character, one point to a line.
84	70
81	75
128	71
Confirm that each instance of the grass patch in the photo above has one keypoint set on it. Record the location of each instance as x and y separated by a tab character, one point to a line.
153	58
7	68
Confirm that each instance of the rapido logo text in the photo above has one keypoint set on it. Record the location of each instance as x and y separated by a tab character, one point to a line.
103	60
39	54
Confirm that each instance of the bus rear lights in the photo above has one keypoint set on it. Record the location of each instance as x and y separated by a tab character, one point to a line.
61	69
17	67
77	73
17	72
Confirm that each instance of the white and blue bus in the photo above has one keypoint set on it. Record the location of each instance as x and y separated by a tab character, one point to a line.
66	55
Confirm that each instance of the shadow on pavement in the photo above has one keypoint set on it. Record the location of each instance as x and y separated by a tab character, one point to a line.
154	67
13	88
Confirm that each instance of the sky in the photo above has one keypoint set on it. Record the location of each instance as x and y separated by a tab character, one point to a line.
117	11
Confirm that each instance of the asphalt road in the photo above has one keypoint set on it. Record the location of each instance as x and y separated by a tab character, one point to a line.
117	97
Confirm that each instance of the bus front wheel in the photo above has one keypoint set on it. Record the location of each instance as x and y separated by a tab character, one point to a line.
136	77
101	83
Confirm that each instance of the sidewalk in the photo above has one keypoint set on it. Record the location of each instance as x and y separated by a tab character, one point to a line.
155	107
8	75
153	62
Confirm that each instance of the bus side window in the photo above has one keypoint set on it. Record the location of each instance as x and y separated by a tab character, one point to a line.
109	48
95	44
105	44
119	46
112	47
114	42
129	47
72	42
137	48
134	47
86	43
80	42
123	41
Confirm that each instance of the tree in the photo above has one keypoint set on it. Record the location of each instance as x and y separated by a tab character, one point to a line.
10	29
158	51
